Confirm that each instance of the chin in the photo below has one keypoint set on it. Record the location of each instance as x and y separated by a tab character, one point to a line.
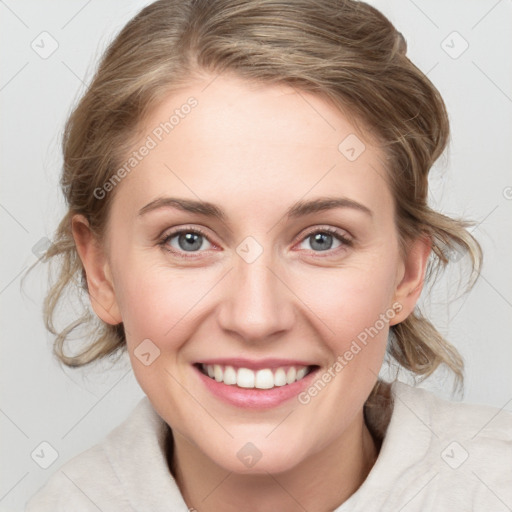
257	457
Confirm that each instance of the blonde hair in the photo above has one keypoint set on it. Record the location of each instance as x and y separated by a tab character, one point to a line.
344	51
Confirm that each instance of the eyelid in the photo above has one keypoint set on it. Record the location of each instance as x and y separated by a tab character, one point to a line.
188	228
163	240
345	241
342	235
326	229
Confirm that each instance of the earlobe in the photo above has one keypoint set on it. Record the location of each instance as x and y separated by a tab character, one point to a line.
410	285
97	270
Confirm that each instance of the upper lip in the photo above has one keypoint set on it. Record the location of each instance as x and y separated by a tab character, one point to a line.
254	364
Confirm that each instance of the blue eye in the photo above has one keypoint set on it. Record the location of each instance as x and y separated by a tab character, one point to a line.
193	240
321	241
186	240
326	239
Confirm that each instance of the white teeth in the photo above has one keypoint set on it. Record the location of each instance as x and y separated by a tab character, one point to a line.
280	377
301	373
217	373
290	376
229	375
261	379
264	379
245	378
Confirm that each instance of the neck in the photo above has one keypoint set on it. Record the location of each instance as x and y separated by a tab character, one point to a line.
319	483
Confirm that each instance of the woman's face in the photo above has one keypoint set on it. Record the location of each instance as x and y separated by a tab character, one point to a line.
284	254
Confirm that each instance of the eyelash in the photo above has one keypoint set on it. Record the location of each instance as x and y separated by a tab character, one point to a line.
345	241
164	241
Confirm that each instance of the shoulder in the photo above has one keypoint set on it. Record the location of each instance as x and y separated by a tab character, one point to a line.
76	484
479	425
437	455
462	452
106	476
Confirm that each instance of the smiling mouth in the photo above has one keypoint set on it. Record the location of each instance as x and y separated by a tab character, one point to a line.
265	378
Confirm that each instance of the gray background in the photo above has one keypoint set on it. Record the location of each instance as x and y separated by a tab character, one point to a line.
71	410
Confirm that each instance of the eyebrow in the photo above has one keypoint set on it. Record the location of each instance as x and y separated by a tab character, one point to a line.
299	209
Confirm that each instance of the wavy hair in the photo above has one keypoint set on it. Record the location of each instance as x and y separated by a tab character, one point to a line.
344	51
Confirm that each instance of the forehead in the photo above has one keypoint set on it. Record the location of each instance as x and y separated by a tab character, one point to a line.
229	140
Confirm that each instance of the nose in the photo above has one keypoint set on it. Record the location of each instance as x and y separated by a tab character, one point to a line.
257	303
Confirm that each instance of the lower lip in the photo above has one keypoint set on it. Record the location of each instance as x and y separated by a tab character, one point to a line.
255	398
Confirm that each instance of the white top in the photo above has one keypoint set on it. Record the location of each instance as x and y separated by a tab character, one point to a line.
436	456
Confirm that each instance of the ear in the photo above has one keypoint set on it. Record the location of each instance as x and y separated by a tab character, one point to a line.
97	270
411	278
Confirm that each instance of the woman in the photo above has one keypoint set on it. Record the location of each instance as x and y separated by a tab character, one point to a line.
247	188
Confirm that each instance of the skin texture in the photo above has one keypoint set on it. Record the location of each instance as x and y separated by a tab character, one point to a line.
256	150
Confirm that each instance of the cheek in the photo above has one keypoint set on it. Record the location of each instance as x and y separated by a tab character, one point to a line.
161	308
351	302
160	303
